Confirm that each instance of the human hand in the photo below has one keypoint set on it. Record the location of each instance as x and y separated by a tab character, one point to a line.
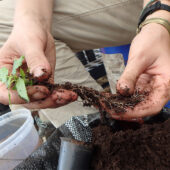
32	40
148	70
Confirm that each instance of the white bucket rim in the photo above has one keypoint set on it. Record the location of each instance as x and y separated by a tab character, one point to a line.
17	136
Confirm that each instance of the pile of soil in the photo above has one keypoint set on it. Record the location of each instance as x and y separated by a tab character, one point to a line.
147	147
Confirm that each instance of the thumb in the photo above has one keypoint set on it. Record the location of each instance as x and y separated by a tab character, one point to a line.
38	63
135	66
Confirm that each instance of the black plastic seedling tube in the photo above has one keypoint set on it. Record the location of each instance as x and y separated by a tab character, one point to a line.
74	156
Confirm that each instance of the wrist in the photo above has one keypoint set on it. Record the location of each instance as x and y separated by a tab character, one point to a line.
30	19
155	29
39	11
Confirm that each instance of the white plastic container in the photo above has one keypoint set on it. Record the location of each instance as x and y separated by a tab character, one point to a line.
18	138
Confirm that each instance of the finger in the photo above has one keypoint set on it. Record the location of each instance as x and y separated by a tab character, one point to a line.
152	105
64	94
51	56
119	116
55	100
6	60
38	63
34	92
50	52
143	83
37	92
42	104
136	65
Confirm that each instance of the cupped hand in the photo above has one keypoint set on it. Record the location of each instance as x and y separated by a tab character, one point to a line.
36	43
148	69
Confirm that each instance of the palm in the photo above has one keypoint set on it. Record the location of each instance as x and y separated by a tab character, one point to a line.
147	70
13	49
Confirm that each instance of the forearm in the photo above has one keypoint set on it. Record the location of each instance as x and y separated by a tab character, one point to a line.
38	10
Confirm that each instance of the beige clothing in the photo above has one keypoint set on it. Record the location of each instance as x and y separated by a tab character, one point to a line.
79	25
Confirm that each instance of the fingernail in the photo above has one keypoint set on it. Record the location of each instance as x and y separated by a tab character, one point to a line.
115	117
40	73
59	100
58	97
124	90
74	96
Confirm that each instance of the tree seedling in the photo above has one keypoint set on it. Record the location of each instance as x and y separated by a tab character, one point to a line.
17	80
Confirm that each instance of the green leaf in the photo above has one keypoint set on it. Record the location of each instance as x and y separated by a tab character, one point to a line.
21	89
28	82
22	74
17	64
3	75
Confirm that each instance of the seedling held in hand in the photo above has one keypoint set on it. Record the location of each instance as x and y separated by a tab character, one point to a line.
16	81
110	103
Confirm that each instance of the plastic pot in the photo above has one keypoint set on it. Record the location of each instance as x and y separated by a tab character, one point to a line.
18	138
74	156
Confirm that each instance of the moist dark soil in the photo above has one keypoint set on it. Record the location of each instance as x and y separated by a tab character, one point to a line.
145	148
90	97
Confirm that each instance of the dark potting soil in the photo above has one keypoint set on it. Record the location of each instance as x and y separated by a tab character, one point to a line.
90	97
146	148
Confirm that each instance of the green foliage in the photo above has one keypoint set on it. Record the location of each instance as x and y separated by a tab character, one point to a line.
21	89
16	81
22	74
17	64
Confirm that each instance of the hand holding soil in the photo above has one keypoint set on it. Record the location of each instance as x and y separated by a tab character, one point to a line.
148	70
55	95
